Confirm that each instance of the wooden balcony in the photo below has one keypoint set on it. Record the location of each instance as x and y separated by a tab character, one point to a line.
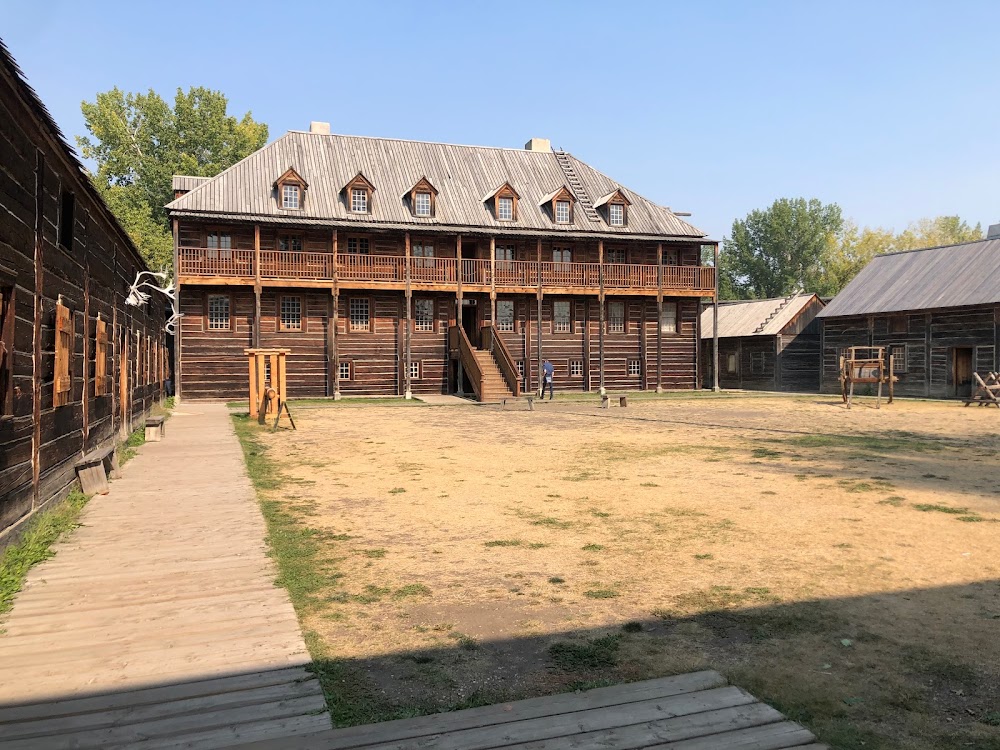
211	266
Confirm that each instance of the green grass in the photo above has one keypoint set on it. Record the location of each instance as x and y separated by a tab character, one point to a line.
503	543
890	442
593	654
375	554
556	580
127	450
592	547
35	545
411	589
602	593
935	508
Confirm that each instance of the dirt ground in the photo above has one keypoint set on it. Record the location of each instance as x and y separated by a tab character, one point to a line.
842	565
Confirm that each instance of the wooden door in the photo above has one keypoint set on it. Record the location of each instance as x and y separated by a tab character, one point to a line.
963	371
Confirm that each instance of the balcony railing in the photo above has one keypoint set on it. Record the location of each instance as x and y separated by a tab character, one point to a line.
474	272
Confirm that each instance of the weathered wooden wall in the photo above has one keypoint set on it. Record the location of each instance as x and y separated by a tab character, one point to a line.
930	338
90	274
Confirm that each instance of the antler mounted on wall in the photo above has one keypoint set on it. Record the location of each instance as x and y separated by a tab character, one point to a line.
138	298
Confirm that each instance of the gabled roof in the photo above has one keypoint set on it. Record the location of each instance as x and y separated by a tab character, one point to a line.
187	182
291	175
754	317
423	183
506	187
616	193
461	174
359	179
562	189
949	276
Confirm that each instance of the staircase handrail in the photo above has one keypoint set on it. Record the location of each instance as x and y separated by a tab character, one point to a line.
468	360
501	355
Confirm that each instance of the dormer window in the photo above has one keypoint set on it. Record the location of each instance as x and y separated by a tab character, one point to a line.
291	190
560	205
358	194
423	198
562	212
504	202
614	206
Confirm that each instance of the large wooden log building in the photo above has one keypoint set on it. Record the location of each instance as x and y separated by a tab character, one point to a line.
765	344
77	365
395	267
936	312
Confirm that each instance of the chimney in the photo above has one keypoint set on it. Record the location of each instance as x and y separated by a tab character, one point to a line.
538	144
320	128
993	233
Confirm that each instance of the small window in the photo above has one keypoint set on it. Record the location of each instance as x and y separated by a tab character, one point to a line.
414	370
562	255
7	350
668	321
359	200
898	324
614	255
504	252
634	368
62	386
616	213
424	252
423	315
290	196
357	245
422	204
616	317
220	245
218	312
100	357
731	364
561	322
345	370
576	368
898	354
290	243
756	363
67	208
670	257
520	368
505	315
505	208
562	212
360	320
291	313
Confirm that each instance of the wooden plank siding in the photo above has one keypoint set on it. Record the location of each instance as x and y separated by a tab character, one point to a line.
930	338
87	264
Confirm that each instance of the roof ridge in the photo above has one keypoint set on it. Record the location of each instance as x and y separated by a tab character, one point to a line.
937	247
418	140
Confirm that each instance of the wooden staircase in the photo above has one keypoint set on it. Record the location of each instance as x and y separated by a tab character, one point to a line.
494	387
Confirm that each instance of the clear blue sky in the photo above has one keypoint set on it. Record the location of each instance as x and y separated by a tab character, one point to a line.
891	109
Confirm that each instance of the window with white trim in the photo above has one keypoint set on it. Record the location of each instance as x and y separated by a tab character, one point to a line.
358	307
422	204
505	208
897	352
423	315
218	312
634	368
562	255
616	317
670	257
505	315
345	370
415	370
291	314
290	196
576	368
668	319
520	368
357	245
616	214
562	212
614	255
359	200
561	321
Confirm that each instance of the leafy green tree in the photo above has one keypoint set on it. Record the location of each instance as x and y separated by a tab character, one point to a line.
941	230
779	250
139	142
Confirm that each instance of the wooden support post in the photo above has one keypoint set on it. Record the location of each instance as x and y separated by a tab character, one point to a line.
332	325
86	331
178	360
255	339
715	327
642	347
409	312
659	317
600	333
538	312
460	372
36	352
493	281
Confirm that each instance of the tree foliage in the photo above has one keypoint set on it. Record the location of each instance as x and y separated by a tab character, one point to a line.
139	142
799	244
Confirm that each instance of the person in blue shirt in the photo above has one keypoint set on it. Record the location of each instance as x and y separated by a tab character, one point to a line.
547	372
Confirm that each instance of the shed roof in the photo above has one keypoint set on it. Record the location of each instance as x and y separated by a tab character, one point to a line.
187	181
461	174
754	317
949	276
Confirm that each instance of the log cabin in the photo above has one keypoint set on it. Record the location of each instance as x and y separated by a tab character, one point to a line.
78	367
394	267
765	344
936	311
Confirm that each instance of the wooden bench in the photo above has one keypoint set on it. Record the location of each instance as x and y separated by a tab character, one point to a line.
155	429
94	468
529	399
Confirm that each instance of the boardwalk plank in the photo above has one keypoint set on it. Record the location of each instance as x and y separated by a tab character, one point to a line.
771	737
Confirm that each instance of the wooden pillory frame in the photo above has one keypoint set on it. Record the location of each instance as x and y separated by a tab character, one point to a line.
268	385
987	391
866	364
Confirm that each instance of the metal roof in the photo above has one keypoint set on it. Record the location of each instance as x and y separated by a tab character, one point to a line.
754	317
949	276
187	182
461	174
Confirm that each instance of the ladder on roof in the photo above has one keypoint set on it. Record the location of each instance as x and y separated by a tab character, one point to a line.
575	186
778	309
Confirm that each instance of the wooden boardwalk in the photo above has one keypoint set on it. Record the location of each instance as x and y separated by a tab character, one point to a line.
158	624
695	711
